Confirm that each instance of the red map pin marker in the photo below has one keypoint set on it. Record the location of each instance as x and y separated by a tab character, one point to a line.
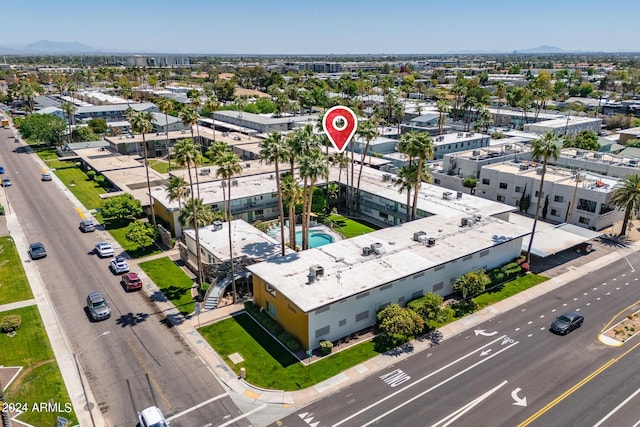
340	124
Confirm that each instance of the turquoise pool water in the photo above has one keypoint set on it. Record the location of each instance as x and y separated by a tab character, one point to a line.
316	239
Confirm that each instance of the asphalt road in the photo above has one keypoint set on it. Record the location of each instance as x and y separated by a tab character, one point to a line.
141	362
508	371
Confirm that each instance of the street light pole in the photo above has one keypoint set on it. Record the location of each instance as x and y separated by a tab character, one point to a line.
84	390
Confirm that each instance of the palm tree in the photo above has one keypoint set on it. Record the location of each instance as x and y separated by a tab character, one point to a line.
68	109
228	167
292	193
187	155
500	93
141	122
443	108
419	146
189	117
626	195
178	189
212	105
546	147
126	93
313	166
195	214
367	130
273	149
166	106
406	181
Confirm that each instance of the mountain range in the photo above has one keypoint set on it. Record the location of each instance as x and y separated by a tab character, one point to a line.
46	47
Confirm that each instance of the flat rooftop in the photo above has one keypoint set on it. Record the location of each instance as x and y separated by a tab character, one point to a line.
564	122
347	272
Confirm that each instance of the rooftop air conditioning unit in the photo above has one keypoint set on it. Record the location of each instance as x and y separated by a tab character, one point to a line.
418	236
375	246
447	195
471	221
460	134
459	195
317	270
508	147
539	170
476	152
578	153
597	155
366	251
524	167
217	225
386	177
463	222
470	134
431	241
234	182
633	162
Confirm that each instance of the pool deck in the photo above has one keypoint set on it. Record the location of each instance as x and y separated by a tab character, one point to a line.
321	228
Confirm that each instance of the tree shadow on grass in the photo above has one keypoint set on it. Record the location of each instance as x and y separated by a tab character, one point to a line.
266	341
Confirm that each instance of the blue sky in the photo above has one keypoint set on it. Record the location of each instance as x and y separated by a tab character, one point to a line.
324	27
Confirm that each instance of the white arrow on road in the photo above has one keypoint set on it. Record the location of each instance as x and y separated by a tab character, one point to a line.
485	352
518	401
485	333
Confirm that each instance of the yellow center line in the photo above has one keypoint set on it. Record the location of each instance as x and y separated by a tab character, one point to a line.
148	372
582	382
80	213
617	315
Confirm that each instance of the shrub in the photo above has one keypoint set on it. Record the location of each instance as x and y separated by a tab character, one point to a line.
1	209
272	326
462	308
10	323
326	347
91	174
100	179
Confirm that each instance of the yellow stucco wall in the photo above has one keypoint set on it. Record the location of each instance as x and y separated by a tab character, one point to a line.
288	315
161	212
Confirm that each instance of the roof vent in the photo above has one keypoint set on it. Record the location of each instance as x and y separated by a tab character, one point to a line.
386	177
366	251
217	225
447	195
524	167
431	241
459	195
419	236
316	270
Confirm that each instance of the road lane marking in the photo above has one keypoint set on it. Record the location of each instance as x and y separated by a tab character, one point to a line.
228	423
446	421
624	402
406	402
606	326
79	210
418	381
199	405
577	386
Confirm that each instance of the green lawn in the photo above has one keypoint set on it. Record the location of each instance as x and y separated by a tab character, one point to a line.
60	164
118	229
508	289
172	281
40	379
13	282
86	191
46	153
348	227
159	166
270	365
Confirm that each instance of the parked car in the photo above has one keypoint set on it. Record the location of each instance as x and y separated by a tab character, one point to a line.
1	169
567	322
152	417
104	250
131	282
98	306
46	176
6	182
37	250
119	265
87	226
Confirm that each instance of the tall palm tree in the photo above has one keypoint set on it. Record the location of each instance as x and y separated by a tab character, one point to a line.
187	155
178	189
126	93
195	214
501	91
166	106
189	117
418	146
214	154
228	167
626	195
443	108
546	147
313	166
367	130
273	149
212	105
141	122
406	180
68	109
292	193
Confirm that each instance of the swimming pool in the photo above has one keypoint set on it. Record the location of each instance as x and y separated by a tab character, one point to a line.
316	239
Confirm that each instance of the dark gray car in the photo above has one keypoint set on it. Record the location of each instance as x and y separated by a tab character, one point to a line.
37	250
98	306
567	322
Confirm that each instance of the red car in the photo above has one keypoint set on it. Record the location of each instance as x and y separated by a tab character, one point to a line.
131	282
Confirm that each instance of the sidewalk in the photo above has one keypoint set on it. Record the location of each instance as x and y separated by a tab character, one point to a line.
301	398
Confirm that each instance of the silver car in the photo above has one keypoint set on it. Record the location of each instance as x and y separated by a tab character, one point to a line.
98	306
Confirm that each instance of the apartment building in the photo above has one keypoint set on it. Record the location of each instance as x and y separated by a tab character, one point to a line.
569	125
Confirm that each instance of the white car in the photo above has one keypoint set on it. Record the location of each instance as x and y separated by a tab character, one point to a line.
104	250
152	417
119	265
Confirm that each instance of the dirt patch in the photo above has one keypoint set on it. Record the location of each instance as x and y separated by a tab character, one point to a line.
626	328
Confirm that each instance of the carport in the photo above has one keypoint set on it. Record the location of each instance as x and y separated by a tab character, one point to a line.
551	239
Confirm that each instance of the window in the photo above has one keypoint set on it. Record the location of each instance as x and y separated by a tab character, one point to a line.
362	316
322	331
484	253
519	189
587	205
342	322
486	181
271	309
438	286
439	267
400	300
382	306
417	294
259	212
417	276
537	192
558	199
605	208
500	198
436	181
554	212
385	287
270	289
291	308
584	220
362	295
467	258
323	309
503	185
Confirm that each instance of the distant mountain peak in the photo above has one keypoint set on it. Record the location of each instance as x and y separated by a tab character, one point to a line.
57	47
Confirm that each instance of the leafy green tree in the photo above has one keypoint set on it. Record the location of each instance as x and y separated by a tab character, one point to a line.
432	309
141	233
98	126
471	283
225	90
632	142
585	140
38	128
469	182
399	324
82	134
626	195
121	207
546	147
